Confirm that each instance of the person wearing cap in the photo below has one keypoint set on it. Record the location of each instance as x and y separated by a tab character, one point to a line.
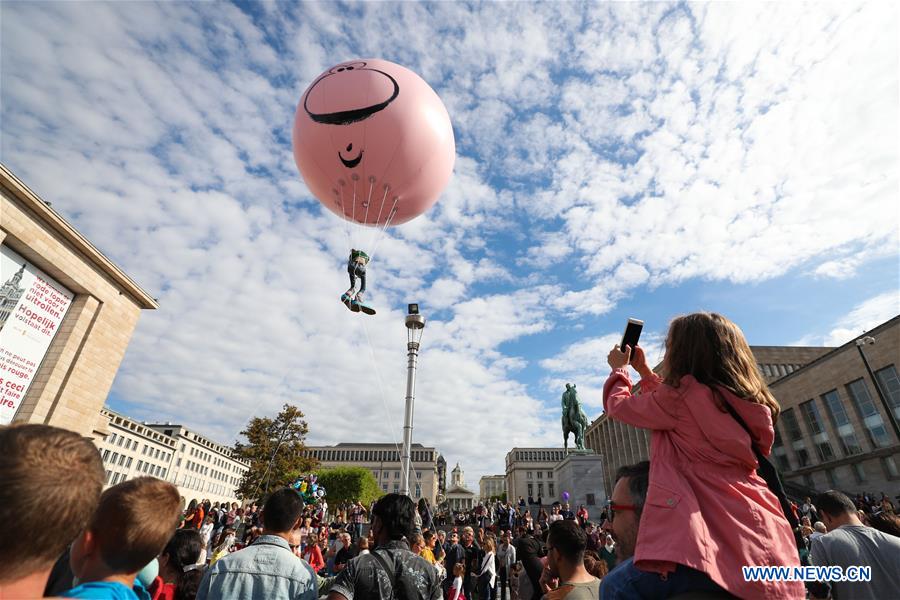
356	267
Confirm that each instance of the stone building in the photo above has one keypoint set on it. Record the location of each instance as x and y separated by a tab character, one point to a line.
199	467
384	462
458	496
491	486
836	429
529	473
68	356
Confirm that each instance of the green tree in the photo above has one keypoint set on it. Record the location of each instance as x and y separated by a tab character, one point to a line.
275	450
349	484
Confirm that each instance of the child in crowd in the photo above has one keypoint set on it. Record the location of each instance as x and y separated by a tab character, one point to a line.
515	573
180	567
225	546
456	588
132	524
707	512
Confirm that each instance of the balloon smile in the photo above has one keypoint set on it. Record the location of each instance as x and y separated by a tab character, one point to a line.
350	164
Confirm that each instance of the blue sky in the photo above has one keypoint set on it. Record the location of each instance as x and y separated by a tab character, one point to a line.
613	160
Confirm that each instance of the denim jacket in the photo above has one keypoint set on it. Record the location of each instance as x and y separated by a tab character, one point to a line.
265	569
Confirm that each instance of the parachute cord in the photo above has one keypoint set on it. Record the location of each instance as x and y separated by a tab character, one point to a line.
375	233
386	406
387	224
369	200
344	218
353	217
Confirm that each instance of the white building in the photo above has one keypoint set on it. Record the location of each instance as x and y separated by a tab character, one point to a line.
199	467
491	486
384	462
458	497
529	473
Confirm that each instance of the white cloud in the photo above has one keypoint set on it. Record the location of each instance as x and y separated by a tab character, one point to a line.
601	148
863	317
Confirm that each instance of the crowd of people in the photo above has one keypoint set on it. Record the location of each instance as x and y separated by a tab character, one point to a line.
688	521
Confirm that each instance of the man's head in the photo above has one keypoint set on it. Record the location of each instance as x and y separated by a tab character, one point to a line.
416	543
132	524
282	511
565	547
454	537
345	539
820	527
626	504
468	536
393	518
51	484
835	509
442	535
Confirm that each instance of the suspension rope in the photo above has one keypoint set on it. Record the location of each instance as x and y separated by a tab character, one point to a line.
387	223
344	217
375	233
369	200
385	405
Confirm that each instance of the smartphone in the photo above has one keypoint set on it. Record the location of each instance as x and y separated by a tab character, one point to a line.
632	334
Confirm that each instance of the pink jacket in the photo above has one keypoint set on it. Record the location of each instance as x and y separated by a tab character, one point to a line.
706	507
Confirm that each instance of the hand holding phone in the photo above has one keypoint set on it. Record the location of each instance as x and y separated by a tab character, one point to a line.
632	334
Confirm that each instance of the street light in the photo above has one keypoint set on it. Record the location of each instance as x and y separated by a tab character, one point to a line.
869	340
415	324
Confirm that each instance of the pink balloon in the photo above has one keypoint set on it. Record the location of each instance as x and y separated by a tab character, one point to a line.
373	142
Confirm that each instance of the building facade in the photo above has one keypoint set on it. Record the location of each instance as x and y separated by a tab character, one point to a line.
69	315
491	486
834	431
529	473
618	444
384	462
199	467
459	497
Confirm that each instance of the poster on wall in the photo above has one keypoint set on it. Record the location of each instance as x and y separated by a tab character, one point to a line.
32	306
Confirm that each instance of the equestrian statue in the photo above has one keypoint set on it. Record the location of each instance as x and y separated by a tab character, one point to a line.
573	418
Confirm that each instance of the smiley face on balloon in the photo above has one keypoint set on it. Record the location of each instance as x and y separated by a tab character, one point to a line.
373	142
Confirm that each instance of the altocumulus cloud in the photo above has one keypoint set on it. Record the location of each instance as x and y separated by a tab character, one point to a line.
643	142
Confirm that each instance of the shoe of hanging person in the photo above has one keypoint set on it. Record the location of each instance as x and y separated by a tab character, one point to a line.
347	299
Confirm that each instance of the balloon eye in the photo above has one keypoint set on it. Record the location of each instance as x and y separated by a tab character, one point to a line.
341	69
349	68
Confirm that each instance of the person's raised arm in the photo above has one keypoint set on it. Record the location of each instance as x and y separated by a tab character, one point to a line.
653	410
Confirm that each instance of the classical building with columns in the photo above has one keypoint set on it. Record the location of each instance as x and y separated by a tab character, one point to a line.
67	312
459	497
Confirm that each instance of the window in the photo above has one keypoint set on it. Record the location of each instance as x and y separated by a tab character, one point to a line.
396	474
384	486
531	489
115	457
869	414
803	457
105	455
112	439
778	449
396	488
793	427
832	481
890	386
551	491
139	465
859	473
591	500
528	475
817	429
808	481
120	441
418	491
540	474
128	463
890	467
549	474
541	490
838	415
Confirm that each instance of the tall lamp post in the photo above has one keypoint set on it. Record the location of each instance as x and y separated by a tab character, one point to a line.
869	340
415	324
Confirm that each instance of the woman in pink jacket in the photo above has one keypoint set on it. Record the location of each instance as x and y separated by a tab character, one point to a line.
707	512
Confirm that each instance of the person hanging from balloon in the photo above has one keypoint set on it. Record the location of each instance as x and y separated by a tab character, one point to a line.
356	267
374	144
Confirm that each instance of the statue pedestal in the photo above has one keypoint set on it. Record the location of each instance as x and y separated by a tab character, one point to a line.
581	474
